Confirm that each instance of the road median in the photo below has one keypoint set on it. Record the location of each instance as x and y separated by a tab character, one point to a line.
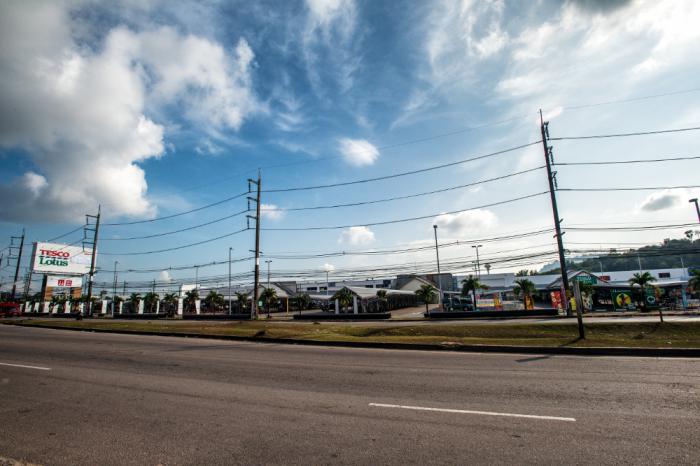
633	339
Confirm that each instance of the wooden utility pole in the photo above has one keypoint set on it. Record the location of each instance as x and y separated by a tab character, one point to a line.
551	177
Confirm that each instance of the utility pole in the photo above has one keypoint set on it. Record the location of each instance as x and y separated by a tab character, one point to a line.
96	230
437	255
256	284
697	208
19	259
551	178
478	267
230	305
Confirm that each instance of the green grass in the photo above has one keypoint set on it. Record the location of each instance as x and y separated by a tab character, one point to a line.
636	334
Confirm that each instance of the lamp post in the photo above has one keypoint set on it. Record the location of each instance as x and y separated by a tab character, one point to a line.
268	272
478	267
114	295
327	287
697	208
230	308
437	256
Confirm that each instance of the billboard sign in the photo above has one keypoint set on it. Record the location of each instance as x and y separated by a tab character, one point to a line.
61	258
63	282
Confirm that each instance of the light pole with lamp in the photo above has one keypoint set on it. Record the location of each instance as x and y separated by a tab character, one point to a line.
230	306
478	267
437	256
697	208
268	262
114	294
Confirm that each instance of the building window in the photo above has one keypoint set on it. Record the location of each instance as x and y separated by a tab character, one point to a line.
369	286
664	274
331	284
311	288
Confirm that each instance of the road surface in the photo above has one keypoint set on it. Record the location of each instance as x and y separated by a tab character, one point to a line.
83	398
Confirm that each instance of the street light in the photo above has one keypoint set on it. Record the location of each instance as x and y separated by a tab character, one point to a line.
437	256
114	295
478	267
268	272
697	208
230	308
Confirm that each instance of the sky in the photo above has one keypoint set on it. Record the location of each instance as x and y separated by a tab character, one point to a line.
153	108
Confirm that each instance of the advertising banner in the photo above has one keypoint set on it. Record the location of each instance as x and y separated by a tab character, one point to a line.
622	299
61	258
63	282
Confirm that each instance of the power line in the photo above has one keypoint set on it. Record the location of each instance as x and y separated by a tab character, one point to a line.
632	99
179	213
408	196
65	234
620	135
178	231
397	175
614	162
184	246
640	228
403	220
642	188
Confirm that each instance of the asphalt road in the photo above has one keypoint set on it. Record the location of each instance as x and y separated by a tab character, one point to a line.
83	398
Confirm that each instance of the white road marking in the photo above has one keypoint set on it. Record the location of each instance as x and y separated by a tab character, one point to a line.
483	413
26	367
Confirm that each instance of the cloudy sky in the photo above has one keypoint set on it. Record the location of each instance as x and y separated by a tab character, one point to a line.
152	108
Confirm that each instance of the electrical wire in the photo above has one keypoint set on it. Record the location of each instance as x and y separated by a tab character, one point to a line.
157	235
404	220
643	188
621	135
614	162
408	196
176	248
397	175
197	209
632	99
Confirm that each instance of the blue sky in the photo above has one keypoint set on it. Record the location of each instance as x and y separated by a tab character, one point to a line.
153	108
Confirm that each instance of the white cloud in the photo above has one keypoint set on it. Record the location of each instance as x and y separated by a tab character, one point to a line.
661	201
82	114
329	36
356	236
207	147
270	211
164	276
463	224
358	152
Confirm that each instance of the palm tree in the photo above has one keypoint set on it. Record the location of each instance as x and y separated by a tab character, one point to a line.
426	293
471	284
191	298
642	280
134	299
242	299
524	286
214	300
344	297
170	302
302	301
381	294
694	281
150	300
268	296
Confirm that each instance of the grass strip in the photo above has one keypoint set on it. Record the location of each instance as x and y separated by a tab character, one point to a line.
631	335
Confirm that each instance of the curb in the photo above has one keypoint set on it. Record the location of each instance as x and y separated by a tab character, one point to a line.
453	347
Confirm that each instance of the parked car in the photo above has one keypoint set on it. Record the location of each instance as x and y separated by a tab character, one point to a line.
9	310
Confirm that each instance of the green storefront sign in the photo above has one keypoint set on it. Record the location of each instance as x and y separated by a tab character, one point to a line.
587	279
